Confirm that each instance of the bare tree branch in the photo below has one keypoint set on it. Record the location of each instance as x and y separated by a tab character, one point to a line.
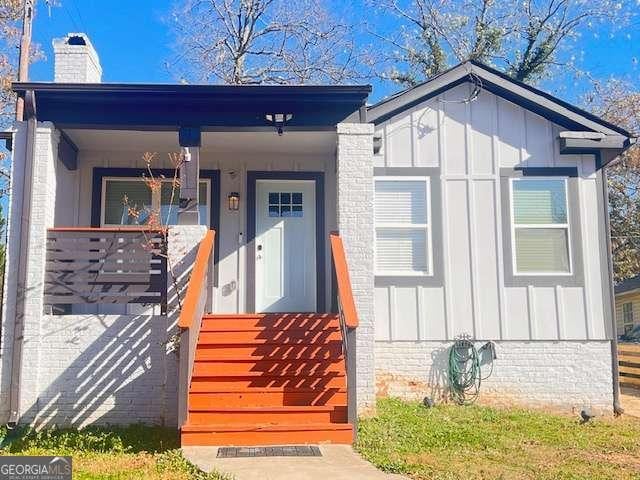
263	41
527	38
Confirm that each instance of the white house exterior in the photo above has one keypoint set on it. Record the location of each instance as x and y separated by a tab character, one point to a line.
470	205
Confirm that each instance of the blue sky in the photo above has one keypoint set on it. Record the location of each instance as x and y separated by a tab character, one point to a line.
134	43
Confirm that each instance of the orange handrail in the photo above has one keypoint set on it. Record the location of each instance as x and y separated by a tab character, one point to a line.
196	282
345	293
106	229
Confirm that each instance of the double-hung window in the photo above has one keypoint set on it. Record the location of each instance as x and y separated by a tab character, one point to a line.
540	233
627	316
130	201
403	226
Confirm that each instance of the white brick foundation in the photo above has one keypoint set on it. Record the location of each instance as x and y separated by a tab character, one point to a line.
565	375
103	369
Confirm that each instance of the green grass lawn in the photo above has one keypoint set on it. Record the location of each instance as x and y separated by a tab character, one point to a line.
115	453
454	442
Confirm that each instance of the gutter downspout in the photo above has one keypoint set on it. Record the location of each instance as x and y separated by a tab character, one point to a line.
23	249
615	370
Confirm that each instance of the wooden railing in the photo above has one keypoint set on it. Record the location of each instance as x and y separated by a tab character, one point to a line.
348	321
629	364
105	266
346	304
190	319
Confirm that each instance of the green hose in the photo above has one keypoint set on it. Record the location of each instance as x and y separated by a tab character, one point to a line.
465	375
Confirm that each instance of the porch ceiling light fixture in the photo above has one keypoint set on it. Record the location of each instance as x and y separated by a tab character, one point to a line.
278	120
234	201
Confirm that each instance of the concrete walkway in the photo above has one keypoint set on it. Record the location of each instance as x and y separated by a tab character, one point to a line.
338	462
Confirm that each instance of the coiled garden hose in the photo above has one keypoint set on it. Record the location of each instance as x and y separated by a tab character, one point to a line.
465	373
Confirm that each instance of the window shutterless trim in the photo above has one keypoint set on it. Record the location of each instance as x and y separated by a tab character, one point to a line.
434	199
539	226
426	227
627	315
576	277
103	210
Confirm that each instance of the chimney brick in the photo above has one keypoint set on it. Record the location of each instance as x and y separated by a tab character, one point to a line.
76	61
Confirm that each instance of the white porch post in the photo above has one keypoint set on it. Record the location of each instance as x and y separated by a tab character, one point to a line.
188	211
354	179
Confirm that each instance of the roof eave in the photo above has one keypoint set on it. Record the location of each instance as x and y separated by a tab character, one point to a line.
499	84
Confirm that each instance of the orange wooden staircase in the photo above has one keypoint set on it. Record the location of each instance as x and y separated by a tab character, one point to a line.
264	379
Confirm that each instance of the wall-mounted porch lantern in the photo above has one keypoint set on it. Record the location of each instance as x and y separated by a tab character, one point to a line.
278	120
234	201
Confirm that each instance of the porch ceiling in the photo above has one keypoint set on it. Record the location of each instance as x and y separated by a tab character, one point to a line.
291	143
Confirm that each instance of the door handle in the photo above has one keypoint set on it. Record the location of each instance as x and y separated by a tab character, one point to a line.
259	249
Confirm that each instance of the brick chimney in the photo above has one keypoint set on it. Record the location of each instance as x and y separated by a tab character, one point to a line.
76	61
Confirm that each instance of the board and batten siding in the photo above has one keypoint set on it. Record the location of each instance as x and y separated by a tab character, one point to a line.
469	143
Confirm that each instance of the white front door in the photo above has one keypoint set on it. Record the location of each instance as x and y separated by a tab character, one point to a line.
285	246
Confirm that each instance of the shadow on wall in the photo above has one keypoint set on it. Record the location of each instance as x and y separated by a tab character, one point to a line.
438	380
105	369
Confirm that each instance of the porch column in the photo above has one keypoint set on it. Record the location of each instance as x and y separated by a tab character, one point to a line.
354	178
32	212
188	211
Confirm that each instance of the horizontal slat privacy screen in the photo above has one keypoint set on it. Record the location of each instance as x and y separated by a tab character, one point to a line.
539	201
401	201
402	230
541	227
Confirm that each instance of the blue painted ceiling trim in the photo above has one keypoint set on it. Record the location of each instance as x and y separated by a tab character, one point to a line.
197	105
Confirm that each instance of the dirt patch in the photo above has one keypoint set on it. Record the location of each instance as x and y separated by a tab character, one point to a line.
408	388
630	399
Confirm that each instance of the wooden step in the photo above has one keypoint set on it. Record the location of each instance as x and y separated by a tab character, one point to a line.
265	379
256	434
278	368
242	384
278	415
328	350
232	323
268	397
270	337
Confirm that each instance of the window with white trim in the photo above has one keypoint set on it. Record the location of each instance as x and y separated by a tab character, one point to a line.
627	317
120	195
540	233
403	226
